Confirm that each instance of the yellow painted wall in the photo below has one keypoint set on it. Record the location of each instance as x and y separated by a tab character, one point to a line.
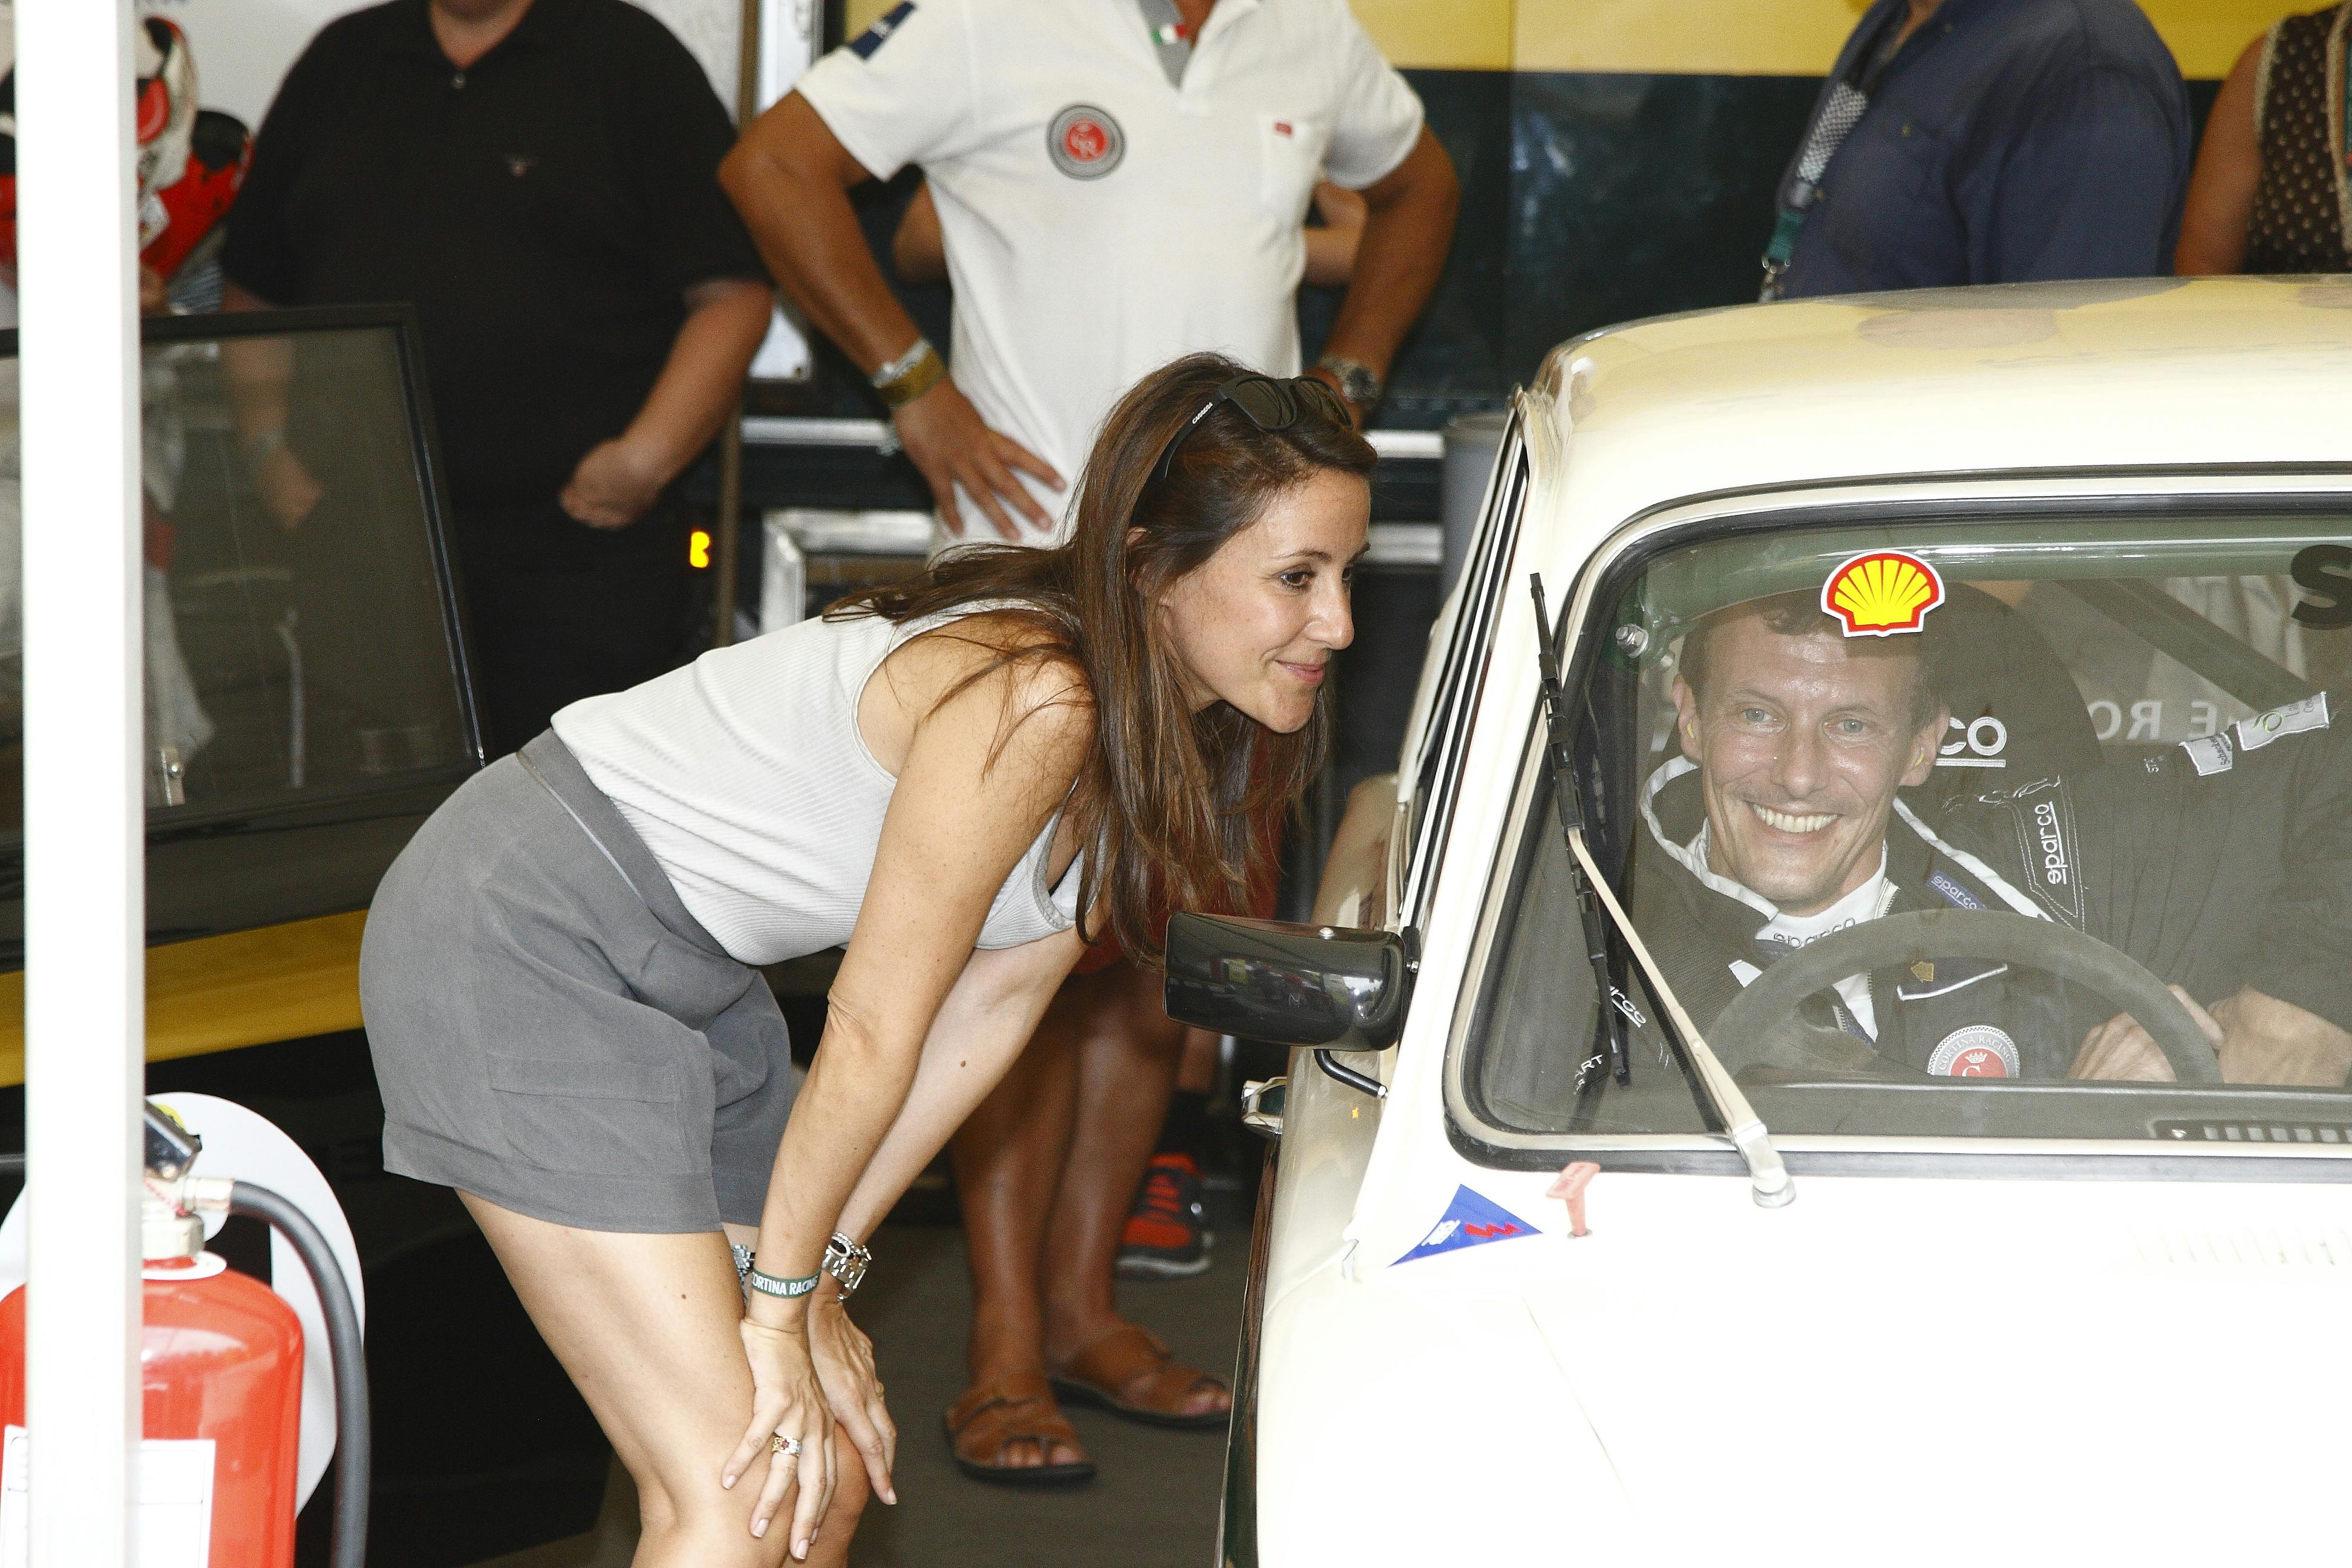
1732	37
221	993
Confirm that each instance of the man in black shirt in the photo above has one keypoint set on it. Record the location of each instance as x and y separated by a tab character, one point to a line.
539	178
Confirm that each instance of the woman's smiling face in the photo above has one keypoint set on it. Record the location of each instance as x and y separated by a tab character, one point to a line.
1256	623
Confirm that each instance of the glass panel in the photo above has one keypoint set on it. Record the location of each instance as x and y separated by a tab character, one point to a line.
2125	730
297	644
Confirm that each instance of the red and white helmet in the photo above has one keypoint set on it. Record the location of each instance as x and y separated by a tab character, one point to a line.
163	108
190	163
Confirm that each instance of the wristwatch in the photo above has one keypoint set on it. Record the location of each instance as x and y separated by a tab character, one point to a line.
846	1261
910	375
1356	382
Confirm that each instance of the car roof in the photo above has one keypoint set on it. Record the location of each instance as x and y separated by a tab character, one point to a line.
2205	373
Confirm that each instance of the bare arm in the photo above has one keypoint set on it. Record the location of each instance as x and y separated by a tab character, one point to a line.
918	249
258	372
256	369
980	1029
619	478
1331	245
972	795
2219	210
790	177
959	820
1408	229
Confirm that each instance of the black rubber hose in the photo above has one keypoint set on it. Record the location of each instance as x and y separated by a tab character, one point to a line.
353	1434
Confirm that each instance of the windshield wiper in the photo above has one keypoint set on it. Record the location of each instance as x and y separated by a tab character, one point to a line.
1767	1172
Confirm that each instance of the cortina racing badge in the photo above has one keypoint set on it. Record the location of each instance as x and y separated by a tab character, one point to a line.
1979	1050
1084	142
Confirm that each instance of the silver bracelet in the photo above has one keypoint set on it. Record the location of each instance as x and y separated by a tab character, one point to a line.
846	1261
770	1285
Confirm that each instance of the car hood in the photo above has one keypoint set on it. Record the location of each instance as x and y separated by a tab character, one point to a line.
1972	1366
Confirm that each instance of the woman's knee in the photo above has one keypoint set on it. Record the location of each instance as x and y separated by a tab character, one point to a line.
850	1495
709	1525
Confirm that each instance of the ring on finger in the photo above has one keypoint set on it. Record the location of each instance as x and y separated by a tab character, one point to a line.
788	1447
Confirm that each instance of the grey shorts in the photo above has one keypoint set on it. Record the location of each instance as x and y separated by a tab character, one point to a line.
552	1031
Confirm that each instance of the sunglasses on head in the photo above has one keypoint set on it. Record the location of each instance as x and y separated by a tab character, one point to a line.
1269	404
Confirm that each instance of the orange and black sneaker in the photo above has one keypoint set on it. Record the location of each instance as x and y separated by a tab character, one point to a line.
1166	1235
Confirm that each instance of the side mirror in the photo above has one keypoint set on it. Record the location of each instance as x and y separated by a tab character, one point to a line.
1334	987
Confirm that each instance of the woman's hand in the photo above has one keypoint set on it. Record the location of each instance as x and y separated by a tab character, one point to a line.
844	1365
786	1401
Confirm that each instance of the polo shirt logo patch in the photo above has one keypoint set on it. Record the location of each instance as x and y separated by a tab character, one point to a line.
874	37
1084	142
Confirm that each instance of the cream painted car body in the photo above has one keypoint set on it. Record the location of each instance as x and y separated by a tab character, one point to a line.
1911	1362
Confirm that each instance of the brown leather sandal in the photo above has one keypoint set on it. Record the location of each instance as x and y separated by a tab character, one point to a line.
1129	1373
1015	1408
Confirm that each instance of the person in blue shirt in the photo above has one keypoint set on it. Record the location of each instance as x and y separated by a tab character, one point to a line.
1961	142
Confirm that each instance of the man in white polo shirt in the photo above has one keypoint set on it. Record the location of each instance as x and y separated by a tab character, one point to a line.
1119	182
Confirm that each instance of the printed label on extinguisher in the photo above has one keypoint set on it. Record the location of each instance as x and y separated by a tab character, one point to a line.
175	1502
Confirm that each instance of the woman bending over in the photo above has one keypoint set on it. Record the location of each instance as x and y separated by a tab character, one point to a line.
963	778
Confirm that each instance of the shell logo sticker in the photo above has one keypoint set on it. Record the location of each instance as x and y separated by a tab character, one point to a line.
1882	593
1084	142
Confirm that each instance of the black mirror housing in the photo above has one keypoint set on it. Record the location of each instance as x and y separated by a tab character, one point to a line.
1335	987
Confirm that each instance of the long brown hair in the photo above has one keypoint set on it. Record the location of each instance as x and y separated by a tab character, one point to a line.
1171	801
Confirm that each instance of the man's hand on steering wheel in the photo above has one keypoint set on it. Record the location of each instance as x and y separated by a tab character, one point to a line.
2122	1049
2274	1042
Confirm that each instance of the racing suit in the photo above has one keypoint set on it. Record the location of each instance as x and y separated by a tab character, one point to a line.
2220	863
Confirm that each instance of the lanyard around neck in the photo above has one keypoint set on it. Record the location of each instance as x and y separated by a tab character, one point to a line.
1842	106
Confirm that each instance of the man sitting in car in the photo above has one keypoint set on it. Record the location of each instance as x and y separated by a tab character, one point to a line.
1796	810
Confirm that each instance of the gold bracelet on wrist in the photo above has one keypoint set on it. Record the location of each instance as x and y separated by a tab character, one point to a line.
910	375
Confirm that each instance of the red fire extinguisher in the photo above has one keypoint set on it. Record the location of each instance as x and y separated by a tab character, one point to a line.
221	1357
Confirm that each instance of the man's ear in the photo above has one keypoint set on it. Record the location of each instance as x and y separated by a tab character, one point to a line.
1686	718
1921	762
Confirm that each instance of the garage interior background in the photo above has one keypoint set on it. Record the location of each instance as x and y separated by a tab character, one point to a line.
1617	160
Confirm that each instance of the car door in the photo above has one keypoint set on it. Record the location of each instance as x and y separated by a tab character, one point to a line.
307	700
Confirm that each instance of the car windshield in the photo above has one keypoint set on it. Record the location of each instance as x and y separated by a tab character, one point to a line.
2025	828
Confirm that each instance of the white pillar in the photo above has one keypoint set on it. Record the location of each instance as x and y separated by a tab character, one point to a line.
85	957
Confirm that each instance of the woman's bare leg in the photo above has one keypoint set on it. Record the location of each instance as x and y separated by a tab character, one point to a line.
1127	1062
1008	1161
646	1325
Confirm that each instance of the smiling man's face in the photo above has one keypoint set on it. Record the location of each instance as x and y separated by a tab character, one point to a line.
1801	740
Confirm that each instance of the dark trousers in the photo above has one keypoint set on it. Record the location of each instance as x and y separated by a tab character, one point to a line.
559	611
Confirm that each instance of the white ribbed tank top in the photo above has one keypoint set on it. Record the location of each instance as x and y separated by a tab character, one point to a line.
745	774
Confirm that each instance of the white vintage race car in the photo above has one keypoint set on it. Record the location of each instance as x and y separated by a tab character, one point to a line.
1923	891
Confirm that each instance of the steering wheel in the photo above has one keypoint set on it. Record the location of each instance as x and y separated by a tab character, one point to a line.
1990	934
